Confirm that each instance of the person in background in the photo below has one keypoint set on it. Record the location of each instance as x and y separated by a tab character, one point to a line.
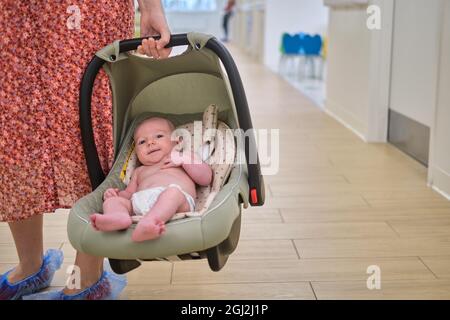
226	18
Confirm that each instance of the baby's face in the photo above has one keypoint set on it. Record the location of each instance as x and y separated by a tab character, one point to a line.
152	140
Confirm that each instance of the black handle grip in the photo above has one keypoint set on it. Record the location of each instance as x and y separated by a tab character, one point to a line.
96	175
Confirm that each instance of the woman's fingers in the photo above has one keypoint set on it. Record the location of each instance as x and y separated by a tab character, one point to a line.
150	47
164	53
155	49
162	42
145	48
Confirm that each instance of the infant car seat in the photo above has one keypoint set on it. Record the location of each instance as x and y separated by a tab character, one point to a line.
180	89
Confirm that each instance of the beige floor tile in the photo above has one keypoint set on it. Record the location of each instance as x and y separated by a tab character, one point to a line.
316	202
317	230
4	267
264	249
8	252
390	290
321	188
253	291
422	227
56	219
359	215
395	247
260	215
195	272
69	251
304	176
439	265
5	234
150	273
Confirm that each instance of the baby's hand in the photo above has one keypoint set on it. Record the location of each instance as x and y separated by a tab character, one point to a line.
111	192
174	160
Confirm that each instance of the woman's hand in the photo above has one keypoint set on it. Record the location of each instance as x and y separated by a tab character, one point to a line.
153	22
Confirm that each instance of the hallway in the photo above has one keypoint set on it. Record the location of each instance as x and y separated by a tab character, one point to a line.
337	206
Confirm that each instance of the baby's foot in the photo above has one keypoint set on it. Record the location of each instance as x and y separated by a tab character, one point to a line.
147	229
110	222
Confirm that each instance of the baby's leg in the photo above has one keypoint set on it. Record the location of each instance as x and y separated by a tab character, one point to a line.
116	215
151	226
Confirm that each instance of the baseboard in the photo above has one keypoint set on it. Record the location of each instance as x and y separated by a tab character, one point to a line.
440	181
410	136
346	119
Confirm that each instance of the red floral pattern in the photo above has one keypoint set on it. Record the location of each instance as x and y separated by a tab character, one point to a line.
43	57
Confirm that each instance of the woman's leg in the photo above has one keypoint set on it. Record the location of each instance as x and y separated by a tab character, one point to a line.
92	283
91	269
28	238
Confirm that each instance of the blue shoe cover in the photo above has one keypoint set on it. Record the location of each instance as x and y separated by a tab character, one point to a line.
108	287
14	291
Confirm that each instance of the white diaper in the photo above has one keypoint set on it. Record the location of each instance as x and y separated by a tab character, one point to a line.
143	201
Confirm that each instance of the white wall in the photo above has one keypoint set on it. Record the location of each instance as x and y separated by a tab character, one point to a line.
439	171
199	21
292	16
359	68
248	27
359	74
414	57
408	79
348	68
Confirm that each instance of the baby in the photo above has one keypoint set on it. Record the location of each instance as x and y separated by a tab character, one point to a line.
163	185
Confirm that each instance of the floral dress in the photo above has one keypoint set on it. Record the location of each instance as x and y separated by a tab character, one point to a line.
45	47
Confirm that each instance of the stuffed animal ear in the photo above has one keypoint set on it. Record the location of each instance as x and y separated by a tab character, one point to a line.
179	142
206	151
209	128
182	137
185	134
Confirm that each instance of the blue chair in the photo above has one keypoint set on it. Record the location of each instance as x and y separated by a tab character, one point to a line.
290	44
313	45
302	46
312	49
290	49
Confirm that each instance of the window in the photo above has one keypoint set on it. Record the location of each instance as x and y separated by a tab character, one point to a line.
189	5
